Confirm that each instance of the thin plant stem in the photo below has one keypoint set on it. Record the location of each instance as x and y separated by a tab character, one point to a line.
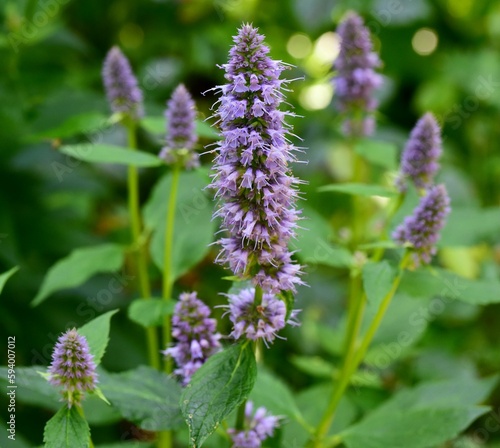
349	368
141	266
167	259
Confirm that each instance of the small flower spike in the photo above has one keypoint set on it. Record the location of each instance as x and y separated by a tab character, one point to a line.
356	79
256	428
181	132
196	336
73	367
258	321
421	230
124	95
420	158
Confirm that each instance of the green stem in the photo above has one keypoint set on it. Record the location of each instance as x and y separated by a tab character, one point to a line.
353	360
167	259
141	255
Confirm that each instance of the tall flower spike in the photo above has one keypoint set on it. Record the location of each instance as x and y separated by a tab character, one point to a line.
73	367
124	95
356	78
181	134
421	230
256	428
252	178
195	333
419	161
258	321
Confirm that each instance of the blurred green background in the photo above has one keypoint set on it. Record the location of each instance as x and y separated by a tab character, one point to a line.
438	55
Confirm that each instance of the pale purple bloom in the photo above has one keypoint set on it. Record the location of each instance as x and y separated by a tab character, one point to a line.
196	336
181	133
256	428
252	179
124	95
421	230
72	367
258	320
419	161
356	79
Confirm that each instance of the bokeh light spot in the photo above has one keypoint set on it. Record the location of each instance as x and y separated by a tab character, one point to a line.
316	97
425	41
299	45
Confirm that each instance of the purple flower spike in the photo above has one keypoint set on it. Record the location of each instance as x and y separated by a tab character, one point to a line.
195	333
419	161
181	134
421	229
258	321
252	178
256	428
124	95
356	78
73	367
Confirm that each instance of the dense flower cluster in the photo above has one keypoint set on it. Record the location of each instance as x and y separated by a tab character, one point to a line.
421	229
356	78
253	180
258	320
256	428
124	95
72	367
419	161
196	334
181	133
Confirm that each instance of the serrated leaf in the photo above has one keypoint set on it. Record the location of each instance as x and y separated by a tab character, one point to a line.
446	284
379	153
193	228
145	396
217	389
78	267
377	280
67	429
150	312
106	153
97	333
359	189
313	242
273	393
6	275
427	415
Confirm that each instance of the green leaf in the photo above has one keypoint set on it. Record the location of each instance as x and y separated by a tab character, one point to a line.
150	312
87	123
313	242
6	275
467	226
359	189
449	286
216	389
67	429
427	415
97	333
105	153
377	280
379	153
193	228
78	267
144	396
273	393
